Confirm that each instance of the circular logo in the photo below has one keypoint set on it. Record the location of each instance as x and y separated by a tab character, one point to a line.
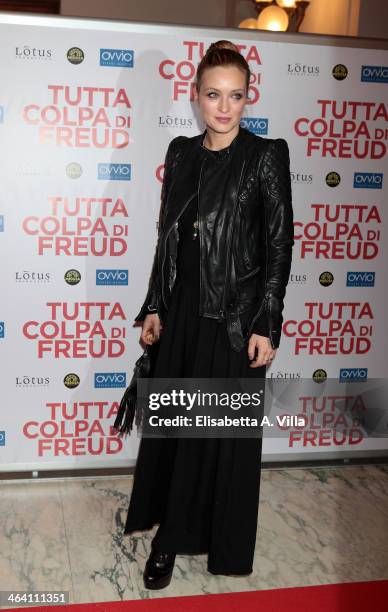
73	170
75	55
319	375
333	179
72	277
326	279
71	380
340	72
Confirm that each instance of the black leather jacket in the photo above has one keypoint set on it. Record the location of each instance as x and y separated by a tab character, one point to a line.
250	220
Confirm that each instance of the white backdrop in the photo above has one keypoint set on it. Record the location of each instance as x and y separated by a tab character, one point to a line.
87	109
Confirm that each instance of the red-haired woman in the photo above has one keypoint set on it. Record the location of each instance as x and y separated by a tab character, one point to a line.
214	307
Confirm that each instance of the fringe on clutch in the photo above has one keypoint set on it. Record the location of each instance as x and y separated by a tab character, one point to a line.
129	409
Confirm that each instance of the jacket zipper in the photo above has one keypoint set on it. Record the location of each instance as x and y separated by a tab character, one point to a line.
165	242
266	276
257	315
228	248
249	274
165	213
200	240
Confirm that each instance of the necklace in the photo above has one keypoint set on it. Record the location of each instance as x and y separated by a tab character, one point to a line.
218	154
196	226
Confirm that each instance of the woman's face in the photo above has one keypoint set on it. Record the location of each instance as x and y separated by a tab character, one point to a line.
222	96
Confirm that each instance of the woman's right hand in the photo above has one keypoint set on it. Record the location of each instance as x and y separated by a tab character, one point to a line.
151	328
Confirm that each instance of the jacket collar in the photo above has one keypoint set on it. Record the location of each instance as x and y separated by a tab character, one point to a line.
222	153
182	187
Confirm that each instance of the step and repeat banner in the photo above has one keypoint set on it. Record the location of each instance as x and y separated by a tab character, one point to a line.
87	109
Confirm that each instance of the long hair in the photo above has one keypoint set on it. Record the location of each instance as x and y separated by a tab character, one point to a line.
222	53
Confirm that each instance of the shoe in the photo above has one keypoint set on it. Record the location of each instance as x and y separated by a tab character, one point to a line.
158	570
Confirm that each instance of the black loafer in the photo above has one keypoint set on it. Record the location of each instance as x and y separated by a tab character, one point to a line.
158	570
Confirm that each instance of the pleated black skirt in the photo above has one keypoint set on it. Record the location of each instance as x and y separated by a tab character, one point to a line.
203	492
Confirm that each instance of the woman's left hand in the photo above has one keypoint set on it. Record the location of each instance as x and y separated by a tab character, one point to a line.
264	349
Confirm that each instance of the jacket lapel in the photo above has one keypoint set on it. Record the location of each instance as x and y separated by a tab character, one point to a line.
185	181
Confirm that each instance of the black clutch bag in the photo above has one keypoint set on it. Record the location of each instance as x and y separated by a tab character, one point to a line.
129	410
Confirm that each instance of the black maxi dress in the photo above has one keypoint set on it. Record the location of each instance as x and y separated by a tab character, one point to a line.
203	492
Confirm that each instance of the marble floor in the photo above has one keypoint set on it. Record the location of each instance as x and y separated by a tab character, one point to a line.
316	526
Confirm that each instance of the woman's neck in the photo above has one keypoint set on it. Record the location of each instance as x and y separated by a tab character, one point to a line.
217	144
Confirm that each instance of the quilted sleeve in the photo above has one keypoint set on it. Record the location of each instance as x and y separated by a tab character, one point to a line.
275	180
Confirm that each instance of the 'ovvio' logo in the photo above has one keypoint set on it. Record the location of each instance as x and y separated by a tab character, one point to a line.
111	277
353	374
110	379
117	57
256	125
374	74
360	279
368	180
114	172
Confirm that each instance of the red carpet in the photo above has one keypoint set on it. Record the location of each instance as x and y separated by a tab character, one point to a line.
345	597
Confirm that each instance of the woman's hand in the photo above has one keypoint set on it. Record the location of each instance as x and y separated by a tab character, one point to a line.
152	327
264	349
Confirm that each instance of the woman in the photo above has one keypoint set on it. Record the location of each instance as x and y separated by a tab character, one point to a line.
214	309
